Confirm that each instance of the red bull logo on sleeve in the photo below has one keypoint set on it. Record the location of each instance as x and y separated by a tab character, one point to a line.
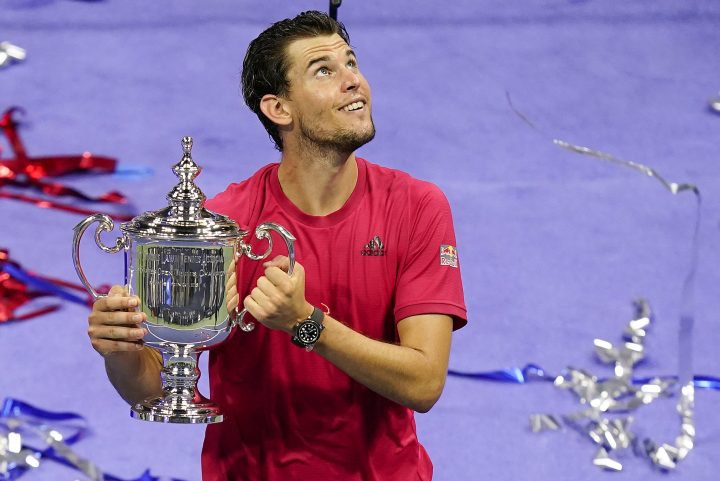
448	256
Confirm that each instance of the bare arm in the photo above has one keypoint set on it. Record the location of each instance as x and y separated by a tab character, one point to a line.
412	373
115	332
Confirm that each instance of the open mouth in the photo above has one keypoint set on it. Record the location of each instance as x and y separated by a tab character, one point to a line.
354	106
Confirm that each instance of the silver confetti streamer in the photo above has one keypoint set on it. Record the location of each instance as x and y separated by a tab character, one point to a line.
12	453
603	460
11	54
16	434
714	104
544	422
617	394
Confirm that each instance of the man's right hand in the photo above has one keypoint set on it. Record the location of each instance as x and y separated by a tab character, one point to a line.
114	324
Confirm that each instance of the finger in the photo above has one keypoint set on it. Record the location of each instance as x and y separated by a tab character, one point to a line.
105	347
117	290
259	297
233	303
281	262
254	308
231	268
231	281
116	303
232	291
117	318
116	333
268	287
277	277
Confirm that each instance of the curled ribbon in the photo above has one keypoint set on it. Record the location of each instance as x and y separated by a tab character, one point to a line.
604	399
21	424
665	456
532	372
27	172
19	286
687	316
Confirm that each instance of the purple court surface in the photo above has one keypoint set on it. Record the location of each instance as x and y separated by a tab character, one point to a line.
554	246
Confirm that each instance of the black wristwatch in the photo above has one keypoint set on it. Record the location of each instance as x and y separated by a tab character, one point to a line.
307	331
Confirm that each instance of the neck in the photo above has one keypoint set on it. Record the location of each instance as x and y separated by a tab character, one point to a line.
317	181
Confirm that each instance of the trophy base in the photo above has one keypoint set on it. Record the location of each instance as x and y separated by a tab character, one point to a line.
160	410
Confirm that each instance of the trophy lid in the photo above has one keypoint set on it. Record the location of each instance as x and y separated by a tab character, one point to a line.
185	217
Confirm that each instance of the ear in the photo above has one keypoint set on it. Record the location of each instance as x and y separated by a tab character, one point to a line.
276	109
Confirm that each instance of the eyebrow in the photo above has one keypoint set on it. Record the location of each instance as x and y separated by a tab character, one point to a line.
349	52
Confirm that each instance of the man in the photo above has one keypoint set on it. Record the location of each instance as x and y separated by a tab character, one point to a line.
376	276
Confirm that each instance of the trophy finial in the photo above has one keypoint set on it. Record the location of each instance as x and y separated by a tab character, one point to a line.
186	198
186	144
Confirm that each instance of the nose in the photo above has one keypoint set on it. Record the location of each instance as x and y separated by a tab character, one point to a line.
351	80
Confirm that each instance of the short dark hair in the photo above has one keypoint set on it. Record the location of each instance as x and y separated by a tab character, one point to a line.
266	65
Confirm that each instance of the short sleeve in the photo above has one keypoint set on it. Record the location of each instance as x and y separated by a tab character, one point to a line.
429	280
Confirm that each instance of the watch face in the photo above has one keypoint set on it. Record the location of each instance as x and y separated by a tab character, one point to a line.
308	332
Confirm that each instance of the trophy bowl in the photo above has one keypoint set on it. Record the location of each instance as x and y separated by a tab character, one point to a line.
178	261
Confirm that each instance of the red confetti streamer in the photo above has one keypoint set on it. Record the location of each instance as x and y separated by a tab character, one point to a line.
15	292
27	172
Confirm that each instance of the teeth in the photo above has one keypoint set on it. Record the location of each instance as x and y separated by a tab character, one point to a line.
353	106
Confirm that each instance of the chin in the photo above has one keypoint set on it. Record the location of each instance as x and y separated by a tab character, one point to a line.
342	139
351	141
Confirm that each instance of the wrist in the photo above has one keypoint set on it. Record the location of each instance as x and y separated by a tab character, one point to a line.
307	331
305	312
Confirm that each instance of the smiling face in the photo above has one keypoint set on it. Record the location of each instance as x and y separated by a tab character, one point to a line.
329	99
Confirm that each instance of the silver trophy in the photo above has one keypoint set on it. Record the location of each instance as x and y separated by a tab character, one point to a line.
177	261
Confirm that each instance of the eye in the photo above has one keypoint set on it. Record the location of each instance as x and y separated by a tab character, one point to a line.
323	71
352	63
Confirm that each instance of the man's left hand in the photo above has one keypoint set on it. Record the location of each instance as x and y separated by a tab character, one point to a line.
278	301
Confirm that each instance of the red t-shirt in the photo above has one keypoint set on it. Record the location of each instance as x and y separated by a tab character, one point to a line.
387	254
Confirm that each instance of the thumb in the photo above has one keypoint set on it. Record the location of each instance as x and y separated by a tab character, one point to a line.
117	291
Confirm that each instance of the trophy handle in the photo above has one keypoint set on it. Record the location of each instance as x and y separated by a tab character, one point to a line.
105	225
263	232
